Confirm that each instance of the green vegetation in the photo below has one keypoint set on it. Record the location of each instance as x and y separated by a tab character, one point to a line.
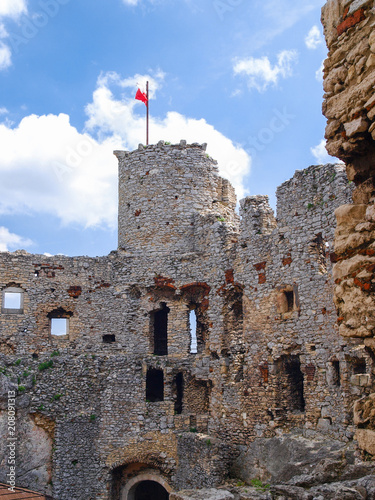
45	365
55	353
259	485
92	418
21	388
56	397
193	429
17	363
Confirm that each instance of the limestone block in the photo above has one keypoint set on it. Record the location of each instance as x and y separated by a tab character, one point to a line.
324	424
349	332
357	4
364	411
332	128
370	213
360	379
203	494
330	15
366	440
370	61
356	126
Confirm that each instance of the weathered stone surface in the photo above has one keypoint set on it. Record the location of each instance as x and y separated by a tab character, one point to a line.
202	494
350	135
366	440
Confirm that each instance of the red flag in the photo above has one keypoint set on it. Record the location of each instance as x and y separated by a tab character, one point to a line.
141	96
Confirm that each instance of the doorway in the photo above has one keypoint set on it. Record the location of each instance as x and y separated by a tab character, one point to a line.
150	490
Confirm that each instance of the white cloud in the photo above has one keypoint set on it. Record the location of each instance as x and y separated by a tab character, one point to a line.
260	72
131	2
314	38
5	56
10	241
319	72
12	8
48	166
321	155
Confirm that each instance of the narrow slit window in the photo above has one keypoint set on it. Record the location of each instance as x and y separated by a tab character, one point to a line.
59	326
160	328
336	373
193	331
290	300
179	381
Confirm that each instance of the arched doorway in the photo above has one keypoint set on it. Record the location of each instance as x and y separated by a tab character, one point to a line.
146	486
150	490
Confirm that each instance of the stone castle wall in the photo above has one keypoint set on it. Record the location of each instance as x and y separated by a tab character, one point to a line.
269	360
349	105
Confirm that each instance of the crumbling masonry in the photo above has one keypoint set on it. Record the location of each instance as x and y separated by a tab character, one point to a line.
208	346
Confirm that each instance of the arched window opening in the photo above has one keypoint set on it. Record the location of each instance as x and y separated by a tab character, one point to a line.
159	328
154	385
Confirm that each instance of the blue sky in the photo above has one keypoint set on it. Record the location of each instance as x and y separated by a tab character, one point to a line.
242	75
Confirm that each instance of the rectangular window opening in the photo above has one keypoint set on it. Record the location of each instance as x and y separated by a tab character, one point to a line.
59	326
160	330
290	300
12	300
154	385
109	339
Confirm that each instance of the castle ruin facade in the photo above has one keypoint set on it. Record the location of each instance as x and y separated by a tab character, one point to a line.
211	350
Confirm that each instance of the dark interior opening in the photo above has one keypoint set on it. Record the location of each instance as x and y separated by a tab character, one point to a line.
150	490
295	378
179	380
160	327
336	376
154	385
290	299
359	366
109	339
290	384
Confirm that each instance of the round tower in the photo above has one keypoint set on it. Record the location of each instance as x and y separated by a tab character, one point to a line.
162	188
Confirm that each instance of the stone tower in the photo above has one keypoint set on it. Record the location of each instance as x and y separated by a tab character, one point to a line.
162	189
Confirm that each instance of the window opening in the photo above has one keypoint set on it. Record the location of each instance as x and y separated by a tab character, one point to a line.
59	326
12	300
359	366
193	331
59	322
154	385
160	323
290	300
336	373
109	339
179	381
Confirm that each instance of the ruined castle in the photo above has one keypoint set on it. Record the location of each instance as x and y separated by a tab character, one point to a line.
212	353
